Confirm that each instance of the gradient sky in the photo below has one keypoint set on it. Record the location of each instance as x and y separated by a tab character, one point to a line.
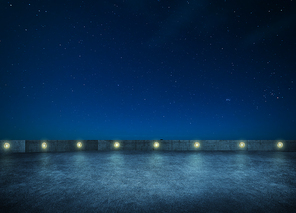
158	69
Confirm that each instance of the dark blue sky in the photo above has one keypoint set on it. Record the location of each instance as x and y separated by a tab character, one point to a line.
148	69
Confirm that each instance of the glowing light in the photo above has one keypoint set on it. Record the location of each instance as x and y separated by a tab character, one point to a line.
280	144
44	145
196	144
156	145
79	144
6	145
242	144
116	144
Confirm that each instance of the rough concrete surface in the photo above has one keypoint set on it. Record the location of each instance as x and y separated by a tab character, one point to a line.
30	146
61	145
135	181
16	146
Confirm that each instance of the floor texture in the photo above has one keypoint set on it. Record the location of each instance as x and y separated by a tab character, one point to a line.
134	181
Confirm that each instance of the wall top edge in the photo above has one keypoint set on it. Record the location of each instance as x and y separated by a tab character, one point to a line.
155	140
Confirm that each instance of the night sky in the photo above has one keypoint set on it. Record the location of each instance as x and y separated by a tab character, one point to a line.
148	69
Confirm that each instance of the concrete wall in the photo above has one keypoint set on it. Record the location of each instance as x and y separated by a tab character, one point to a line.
21	146
61	145
205	145
271	145
171	145
16	146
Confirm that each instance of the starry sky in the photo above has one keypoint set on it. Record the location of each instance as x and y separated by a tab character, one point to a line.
149	69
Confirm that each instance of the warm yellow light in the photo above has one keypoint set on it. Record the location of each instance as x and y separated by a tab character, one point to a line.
79	144
196	144
280	144
242	144
156	144
44	145
116	144
6	145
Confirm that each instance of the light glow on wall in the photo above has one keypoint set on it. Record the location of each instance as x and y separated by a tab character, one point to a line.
280	144
196	144
156	145
44	145
116	145
79	144
6	145
241	144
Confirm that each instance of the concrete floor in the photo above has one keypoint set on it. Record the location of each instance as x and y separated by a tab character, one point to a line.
134	181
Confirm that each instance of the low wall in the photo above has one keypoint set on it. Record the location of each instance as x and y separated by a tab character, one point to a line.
61	145
204	145
29	146
15	146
